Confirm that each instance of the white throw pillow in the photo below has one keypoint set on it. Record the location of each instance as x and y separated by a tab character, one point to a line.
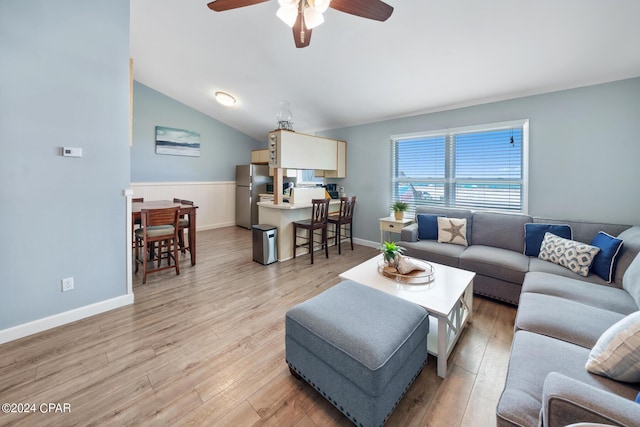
452	230
616	355
576	256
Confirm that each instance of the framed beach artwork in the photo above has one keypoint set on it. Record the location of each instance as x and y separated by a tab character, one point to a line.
177	142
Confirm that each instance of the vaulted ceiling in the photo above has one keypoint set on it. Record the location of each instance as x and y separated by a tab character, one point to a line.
430	55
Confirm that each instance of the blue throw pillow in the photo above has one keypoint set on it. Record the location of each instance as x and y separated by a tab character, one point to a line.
534	235
428	226
604	264
638	398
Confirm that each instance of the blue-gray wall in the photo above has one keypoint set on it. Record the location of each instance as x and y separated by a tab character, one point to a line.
65	82
221	147
584	153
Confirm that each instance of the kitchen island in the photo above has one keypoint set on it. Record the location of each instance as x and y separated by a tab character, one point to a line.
281	216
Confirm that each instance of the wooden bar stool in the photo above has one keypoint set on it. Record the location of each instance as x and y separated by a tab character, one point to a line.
318	221
344	218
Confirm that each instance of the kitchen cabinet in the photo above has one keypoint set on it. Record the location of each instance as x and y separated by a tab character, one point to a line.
341	170
260	156
293	150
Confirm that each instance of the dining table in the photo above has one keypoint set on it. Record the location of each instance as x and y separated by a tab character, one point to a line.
190	210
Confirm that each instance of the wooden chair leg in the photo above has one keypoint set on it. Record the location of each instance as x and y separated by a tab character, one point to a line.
175	257
325	241
144	264
338	239
350	234
295	240
311	244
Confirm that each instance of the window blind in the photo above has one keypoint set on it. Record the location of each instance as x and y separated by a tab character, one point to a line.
483	167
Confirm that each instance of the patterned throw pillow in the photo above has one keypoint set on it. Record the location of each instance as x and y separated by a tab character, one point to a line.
616	355
452	230
576	256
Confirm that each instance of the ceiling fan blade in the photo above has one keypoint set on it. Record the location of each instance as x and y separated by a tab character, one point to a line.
371	9
222	5
301	34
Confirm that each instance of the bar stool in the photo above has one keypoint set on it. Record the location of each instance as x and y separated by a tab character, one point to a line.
344	218
318	221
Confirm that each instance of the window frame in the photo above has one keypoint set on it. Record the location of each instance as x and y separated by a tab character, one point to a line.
449	180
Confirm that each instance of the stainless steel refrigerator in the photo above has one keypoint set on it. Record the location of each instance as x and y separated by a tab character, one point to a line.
251	180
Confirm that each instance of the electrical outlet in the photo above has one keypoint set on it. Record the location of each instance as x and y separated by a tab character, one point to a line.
67	284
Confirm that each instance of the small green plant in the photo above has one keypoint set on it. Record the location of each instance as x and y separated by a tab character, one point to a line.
391	251
400	206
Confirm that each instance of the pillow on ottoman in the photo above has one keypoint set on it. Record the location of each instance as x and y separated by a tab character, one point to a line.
575	256
616	354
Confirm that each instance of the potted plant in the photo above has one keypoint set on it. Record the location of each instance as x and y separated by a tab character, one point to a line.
399	209
391	253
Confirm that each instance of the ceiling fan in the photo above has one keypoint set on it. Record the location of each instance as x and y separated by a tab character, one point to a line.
304	15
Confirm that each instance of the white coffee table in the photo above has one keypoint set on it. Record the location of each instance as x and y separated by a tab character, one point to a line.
448	299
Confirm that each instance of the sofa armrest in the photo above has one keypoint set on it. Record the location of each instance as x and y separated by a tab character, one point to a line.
409	233
566	401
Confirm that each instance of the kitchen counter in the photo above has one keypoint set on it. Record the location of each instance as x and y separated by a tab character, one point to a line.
289	206
282	216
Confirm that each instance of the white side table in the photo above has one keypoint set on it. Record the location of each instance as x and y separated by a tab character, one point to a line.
392	225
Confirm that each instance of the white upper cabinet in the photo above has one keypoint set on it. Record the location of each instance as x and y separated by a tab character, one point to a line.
295	150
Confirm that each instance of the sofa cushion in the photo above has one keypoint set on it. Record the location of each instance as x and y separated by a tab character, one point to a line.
616	355
452	230
534	234
533	357
605	297
564	319
630	249
631	280
576	256
604	264
499	230
431	250
494	262
539	265
427	226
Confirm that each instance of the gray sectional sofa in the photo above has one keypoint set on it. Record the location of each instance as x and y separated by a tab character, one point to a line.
496	250
561	317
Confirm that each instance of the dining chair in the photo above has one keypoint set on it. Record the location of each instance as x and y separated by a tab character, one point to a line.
135	222
318	221
183	223
158	226
343	219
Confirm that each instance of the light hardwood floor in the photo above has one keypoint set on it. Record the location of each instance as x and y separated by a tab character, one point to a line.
207	348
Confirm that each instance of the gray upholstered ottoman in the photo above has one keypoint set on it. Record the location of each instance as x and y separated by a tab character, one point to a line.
359	347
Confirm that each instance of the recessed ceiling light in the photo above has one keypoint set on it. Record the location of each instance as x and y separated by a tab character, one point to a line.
225	99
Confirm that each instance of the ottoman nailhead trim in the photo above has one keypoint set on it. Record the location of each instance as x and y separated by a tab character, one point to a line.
352	418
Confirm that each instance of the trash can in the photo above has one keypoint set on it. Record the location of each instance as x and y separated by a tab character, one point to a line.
264	243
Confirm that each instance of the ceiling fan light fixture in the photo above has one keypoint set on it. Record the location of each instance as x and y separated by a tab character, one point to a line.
312	18
288	14
225	99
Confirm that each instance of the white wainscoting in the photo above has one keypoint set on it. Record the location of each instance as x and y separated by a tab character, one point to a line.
215	200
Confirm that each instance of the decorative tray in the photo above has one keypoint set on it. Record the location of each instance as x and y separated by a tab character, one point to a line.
421	276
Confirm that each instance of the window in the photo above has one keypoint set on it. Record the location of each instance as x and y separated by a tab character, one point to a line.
478	167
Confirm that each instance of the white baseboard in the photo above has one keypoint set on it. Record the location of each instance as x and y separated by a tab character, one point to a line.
35	326
369	243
